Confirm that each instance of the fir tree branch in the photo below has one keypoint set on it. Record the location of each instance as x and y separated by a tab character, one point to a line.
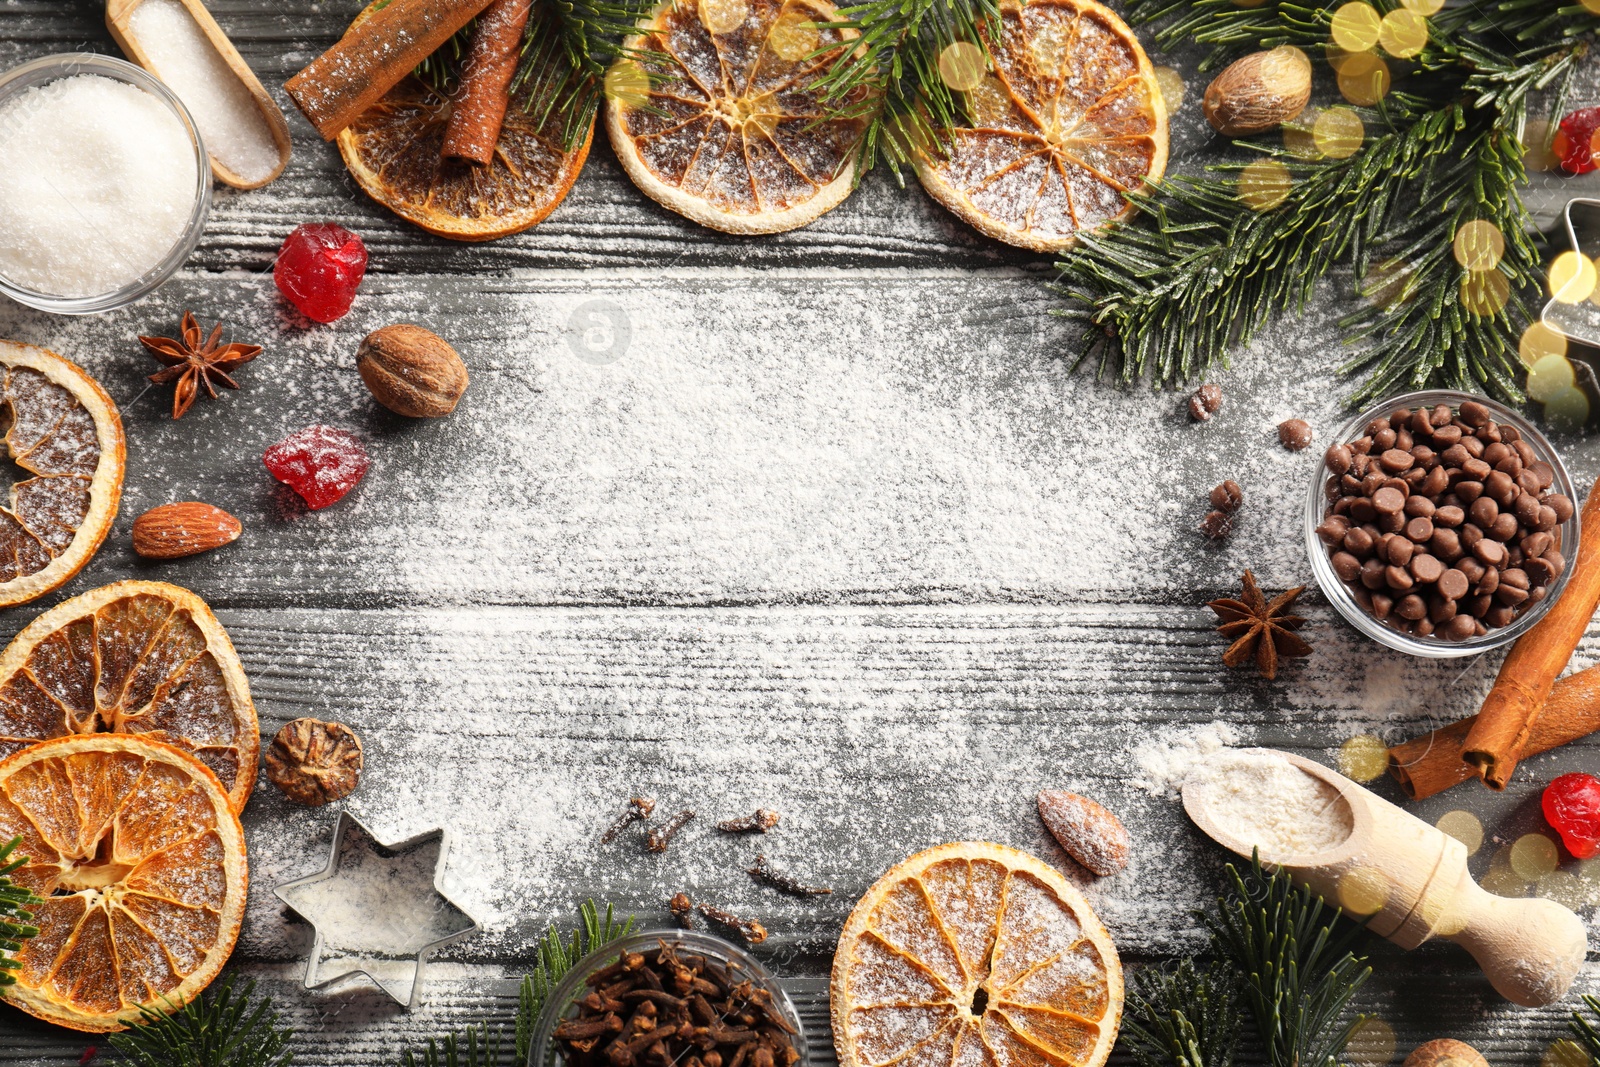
15	902
1183	1016
216	1029
565	52
1585	1029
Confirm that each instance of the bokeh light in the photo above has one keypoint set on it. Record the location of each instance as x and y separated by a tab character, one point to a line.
1533	856
1591	6
1464	827
1479	245
1338	133
1572	277
794	36
1537	153
1264	184
1567	411
1564	1053
1285	68
1363	758
1372	1043
1364	80
1299	139
1171	84
1424	8
1363	890
1539	341
723	16
961	65
1355	26
627	83
1403	33
1549	376
987	103
1485	292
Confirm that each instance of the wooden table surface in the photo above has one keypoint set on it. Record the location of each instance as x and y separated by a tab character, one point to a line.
824	524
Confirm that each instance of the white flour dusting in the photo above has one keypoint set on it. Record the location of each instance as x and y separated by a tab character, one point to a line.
1178	754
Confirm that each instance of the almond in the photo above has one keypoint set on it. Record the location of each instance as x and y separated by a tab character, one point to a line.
183	529
1090	834
412	371
1258	92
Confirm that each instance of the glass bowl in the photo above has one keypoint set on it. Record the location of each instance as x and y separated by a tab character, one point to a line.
1432	647
543	1051
51	68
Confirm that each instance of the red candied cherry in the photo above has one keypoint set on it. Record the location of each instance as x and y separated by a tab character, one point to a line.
318	269
1574	141
1572	807
320	463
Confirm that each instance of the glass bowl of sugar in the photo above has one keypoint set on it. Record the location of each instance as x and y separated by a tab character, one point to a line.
106	187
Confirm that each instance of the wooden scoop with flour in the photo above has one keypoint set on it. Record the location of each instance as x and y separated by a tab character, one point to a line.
1411	879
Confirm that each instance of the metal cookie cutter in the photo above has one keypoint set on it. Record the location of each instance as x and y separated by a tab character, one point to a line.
378	911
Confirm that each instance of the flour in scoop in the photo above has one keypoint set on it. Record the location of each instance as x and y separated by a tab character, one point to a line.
235	132
98	187
1264	801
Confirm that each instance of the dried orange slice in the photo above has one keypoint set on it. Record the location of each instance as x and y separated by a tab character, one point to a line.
730	130
133	658
1070	120
141	866
974	955
392	151
63	429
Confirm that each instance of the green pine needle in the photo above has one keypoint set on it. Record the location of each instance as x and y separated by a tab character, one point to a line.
565	53
216	1029
1183	1016
1585	1026
15	903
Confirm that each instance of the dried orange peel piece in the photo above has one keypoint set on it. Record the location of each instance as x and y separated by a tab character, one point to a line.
63	429
142	658
393	152
1071	119
974	955
731	130
140	862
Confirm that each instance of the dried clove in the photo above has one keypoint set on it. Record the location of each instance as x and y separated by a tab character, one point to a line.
658	1009
682	909
766	874
761	821
662	835
751	931
639	808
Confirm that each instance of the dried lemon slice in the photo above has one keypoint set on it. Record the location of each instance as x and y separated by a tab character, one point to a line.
974	955
63	429
1071	119
141	866
133	658
732	131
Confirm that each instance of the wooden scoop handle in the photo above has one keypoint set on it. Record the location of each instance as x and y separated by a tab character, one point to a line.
1530	947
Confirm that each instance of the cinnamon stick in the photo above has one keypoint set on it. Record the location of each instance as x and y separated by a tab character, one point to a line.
373	57
479	106
1505	722
1432	763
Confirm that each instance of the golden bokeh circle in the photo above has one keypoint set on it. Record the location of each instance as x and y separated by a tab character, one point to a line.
1338	133
1591	6
1300	140
1564	888
723	16
1537	152
987	102
1443	916
794	36
627	83
1533	856
1363	890
1264	184
1388	282
1364	80
1363	758
1355	26
1538	341
1479	245
961	65
1464	827
1371	1044
1284	69
1425	8
1403	33
1485	292
1564	1053
1567	411
1549	376
1572	277
1170	82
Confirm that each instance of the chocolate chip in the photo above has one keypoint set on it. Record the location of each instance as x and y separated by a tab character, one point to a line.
1359	541
1338	458
1474	414
1346	566
1398	550
1227	496
1411	607
1419	529
1197	409
1388	500
1483	511
1294	434
1207	400
1216	525
1452	584
1426	568
1459	628
1333	529
1560	505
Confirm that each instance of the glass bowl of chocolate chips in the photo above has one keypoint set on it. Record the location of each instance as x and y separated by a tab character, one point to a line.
1441	524
668	998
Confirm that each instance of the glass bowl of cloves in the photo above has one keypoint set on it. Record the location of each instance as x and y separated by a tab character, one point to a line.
668	998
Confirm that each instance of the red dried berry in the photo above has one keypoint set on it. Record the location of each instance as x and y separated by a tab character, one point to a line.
320	463
1572	808
319	268
1574	141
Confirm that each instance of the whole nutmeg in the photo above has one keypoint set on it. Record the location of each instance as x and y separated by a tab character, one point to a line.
314	762
1445	1052
1258	92
187	528
412	371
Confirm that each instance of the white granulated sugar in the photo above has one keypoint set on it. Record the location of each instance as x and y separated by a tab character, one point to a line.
98	186
1266	802
235	132
1178	754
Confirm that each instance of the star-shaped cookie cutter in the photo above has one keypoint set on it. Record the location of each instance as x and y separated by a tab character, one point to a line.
378	911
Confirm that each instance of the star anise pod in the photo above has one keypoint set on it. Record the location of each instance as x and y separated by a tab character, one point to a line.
194	360
1259	629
